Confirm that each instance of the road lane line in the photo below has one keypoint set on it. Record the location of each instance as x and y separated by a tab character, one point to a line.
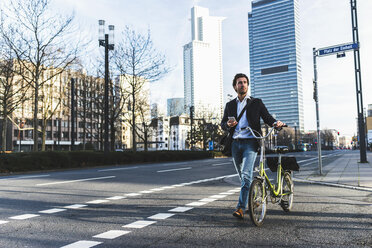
168	187
161	216
196	204
221	164
140	224
180	209
146	191
3	222
117	169
75	206
112	234
208	200
24	177
52	211
23	216
116	198
218	196
82	244
157	189
132	194
74	181
97	201
185	168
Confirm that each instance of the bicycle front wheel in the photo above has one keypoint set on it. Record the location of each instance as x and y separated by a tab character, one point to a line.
287	197
257	202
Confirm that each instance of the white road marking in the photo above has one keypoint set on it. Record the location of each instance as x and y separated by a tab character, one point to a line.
116	198
168	187
116	169
221	164
157	189
3	222
74	181
97	201
112	234
180	209
82	244
207	200
218	196
146	191
196	204
52	211
160	216
75	206
132	194
185	168
227	193
23	216
140	224
26	177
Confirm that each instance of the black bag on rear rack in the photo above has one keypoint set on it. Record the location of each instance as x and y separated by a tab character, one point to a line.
288	164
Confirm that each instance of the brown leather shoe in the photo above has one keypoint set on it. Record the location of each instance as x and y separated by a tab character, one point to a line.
239	213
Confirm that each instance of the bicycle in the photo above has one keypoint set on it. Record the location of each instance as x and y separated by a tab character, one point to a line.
280	192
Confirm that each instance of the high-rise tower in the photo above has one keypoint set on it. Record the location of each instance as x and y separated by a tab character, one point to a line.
202	59
274	53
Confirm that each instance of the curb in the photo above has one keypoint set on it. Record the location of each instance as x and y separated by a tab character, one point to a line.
332	184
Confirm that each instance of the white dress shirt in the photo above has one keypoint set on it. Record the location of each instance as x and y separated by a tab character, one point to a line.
243	122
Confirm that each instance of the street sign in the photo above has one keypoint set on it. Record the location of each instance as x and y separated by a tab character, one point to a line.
370	136
210	145
337	49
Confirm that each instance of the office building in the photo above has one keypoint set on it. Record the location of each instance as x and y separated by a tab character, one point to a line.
274	53
202	57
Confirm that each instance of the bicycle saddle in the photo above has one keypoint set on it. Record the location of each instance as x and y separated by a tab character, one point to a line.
281	149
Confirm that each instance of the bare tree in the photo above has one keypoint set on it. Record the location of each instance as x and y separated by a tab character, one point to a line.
328	138
118	101
50	100
143	110
285	137
12	91
41	41
138	62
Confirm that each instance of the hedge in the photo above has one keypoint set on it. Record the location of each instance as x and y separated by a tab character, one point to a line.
38	161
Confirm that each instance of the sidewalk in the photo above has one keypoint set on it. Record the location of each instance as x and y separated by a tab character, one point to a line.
345	171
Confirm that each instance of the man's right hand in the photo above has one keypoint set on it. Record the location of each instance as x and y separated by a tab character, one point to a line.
232	123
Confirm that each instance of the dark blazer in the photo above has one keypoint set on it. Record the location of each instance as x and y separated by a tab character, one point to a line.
255	110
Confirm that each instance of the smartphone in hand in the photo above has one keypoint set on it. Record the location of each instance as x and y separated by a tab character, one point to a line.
232	118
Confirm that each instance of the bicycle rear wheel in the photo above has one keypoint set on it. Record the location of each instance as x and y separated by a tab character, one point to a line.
287	198
257	202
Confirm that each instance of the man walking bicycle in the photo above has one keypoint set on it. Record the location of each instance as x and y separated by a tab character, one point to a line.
244	146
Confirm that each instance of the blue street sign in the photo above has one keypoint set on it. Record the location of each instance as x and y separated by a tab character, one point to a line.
210	145
337	49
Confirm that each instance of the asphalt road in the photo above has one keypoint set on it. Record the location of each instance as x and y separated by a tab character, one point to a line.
185	204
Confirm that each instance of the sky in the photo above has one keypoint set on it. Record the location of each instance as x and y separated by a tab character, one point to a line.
323	24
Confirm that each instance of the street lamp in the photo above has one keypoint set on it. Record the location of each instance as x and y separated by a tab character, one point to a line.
295	128
103	39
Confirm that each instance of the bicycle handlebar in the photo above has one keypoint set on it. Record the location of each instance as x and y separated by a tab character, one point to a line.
267	135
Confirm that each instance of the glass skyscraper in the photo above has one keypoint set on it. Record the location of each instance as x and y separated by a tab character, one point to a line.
274	53
202	61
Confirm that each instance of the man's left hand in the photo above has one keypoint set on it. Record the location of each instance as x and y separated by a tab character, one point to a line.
279	124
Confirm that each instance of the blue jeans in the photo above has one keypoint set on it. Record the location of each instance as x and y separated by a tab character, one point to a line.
244	153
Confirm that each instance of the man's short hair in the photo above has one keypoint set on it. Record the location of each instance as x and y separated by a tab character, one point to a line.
239	75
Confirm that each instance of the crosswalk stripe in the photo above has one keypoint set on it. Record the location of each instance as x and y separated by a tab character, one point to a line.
160	216
140	224
82	244
52	211
112	234
23	216
180	209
